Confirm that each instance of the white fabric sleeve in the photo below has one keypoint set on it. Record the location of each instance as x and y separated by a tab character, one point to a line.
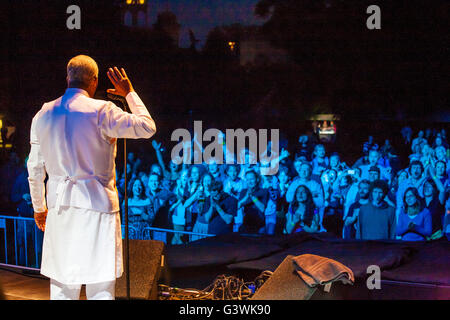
36	172
116	123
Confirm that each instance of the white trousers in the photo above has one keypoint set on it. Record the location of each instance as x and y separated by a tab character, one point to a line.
94	291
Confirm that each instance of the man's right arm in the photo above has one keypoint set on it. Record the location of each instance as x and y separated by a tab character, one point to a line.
115	123
36	172
36	178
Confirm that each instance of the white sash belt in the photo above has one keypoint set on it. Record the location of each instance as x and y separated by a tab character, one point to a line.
63	185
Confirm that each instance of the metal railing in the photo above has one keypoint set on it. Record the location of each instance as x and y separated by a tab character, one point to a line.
152	233
21	240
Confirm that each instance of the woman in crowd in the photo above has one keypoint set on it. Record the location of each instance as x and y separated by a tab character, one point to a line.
284	180
302	214
252	204
194	189
414	222
201	205
138	210
434	202
427	158
233	185
178	210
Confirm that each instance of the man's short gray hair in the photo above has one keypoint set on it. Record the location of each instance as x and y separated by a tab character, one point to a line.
81	70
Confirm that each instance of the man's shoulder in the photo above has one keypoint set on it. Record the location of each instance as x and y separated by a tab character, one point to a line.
82	103
93	103
47	106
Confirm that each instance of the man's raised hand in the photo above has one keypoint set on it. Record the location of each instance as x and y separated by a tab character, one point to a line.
119	79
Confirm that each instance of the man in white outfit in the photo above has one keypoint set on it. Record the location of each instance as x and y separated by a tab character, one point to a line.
73	141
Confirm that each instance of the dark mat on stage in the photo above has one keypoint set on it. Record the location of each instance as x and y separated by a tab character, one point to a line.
427	263
233	248
251	255
430	265
220	250
356	255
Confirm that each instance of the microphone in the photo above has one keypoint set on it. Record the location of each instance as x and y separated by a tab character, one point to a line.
123	101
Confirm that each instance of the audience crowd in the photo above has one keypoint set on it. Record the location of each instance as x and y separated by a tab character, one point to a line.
373	198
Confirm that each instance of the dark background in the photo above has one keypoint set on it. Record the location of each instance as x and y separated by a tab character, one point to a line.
376	80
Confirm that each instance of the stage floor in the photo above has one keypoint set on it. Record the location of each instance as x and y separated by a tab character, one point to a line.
19	286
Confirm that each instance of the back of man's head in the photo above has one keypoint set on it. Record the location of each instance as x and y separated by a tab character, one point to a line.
81	71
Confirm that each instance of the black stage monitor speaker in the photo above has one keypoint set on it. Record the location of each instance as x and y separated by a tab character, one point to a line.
286	284
146	261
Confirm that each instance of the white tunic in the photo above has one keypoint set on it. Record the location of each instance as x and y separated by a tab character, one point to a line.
73	140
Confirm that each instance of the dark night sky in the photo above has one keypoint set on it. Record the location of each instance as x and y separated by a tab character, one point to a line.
203	15
340	66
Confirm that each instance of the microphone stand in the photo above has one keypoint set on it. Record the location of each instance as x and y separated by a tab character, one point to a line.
123	101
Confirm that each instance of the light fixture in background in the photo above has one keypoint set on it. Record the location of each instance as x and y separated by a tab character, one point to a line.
131	2
10	131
